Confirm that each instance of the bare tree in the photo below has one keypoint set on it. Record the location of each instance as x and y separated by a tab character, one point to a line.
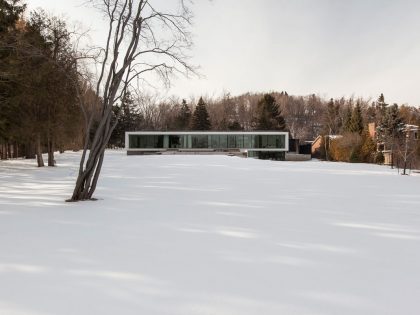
406	147
141	39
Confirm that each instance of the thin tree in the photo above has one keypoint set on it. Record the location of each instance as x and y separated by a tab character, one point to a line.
141	39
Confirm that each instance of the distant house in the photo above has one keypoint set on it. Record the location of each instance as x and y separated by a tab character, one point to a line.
411	132
250	144
318	142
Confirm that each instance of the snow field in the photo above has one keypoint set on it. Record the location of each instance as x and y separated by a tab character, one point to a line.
209	235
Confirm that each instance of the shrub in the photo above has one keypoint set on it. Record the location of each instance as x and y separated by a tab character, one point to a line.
379	158
347	148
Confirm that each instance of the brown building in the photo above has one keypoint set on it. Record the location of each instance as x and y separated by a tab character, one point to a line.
316	144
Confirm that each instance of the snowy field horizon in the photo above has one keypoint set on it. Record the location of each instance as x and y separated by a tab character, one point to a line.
209	235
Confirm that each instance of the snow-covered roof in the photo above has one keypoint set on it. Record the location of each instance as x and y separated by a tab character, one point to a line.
408	127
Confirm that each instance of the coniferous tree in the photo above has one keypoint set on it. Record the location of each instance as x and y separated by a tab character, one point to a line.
368	148
269	115
201	118
235	126
381	108
128	120
392	120
356	122
389	129
10	12
390	124
381	102
38	104
347	120
183	119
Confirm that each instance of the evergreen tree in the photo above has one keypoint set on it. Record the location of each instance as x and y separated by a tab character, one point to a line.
183	119
269	115
201	118
392	121
371	114
10	12
347	120
368	148
389	126
389	129
356	122
381	108
235	126
381	99
37	84
128	120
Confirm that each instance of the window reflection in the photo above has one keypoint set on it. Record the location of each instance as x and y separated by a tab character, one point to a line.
208	141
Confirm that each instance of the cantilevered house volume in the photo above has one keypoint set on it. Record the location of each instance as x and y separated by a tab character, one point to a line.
263	144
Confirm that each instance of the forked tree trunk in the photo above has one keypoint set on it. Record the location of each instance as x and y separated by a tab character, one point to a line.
39	158
130	36
90	170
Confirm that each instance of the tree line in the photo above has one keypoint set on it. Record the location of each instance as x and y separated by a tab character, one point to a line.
42	85
145	113
39	111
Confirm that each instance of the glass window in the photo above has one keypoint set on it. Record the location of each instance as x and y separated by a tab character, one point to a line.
204	141
256	142
281	142
175	142
231	141
199	142
239	141
133	142
214	141
247	141
223	142
146	142
271	141
188	142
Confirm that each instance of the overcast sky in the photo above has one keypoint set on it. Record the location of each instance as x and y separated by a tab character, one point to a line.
332	48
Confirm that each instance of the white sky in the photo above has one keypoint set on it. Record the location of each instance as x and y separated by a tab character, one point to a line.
332	48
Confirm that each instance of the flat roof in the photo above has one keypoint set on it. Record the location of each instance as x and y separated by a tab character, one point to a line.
206	132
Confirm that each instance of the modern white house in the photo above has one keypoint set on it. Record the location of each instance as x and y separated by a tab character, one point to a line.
250	144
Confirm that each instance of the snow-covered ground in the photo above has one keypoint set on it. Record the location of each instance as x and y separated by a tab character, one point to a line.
209	235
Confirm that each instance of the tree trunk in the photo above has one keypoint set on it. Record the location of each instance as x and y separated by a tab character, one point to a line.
118	70
90	170
326	147
3	152
29	150
51	161
39	158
